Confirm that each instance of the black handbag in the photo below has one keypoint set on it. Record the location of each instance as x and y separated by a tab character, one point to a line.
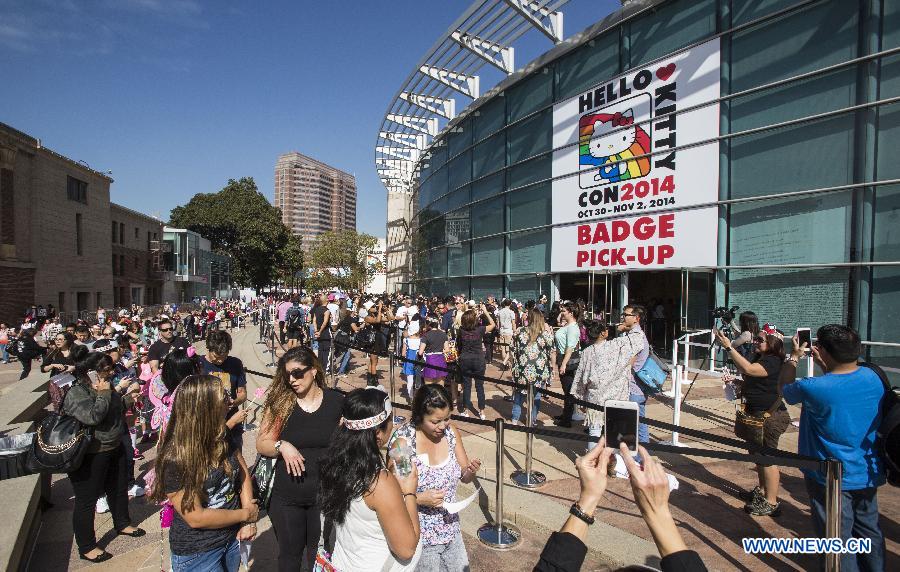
365	338
263	477
59	444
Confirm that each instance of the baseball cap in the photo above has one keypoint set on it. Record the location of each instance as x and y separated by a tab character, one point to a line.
470	303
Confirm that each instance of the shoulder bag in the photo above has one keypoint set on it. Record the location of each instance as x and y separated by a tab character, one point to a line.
59	444
751	428
263	477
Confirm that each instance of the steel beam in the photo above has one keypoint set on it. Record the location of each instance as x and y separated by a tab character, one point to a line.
537	14
464	84
501	57
428	125
437	105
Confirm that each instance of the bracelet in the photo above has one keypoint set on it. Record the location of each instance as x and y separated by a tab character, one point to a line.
729	348
410	494
576	511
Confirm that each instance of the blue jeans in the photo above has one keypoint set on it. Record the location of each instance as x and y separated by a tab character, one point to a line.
519	401
345	361
223	559
859	519
641	400
313	341
4	355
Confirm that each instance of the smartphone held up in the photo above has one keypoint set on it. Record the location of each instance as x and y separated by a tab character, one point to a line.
621	419
804	337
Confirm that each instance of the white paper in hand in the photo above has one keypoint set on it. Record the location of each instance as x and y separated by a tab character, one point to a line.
244	549
455	507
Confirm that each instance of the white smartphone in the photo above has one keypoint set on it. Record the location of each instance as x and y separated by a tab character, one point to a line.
803	337
621	424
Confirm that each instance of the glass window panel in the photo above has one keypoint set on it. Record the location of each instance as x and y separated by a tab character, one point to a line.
459	138
890	26
490	117
529	251
434	232
587	66
487	217
528	207
530	172
522	288
485	286
530	137
671	26
791	231
488	187
885	315
459	198
458	225
439	206
460	170
889	116
816	154
887	224
439	183
794	44
489	155
425	193
823	93
749	10
459	258
458	287
529	95
438	264
809	297
487	256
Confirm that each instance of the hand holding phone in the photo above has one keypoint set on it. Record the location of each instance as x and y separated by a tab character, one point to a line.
804	337
621	420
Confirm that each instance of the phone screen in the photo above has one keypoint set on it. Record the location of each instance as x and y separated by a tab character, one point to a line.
803	337
621	426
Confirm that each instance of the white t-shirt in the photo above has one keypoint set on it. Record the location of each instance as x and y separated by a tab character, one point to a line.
334	309
403	313
507	319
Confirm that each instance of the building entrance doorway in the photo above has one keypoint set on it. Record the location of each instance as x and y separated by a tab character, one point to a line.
600	291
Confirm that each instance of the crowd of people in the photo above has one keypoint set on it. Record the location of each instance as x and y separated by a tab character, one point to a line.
338	501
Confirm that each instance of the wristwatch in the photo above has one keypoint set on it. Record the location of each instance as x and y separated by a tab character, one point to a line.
278	447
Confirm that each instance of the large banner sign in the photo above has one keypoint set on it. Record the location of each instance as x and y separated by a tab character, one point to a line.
616	157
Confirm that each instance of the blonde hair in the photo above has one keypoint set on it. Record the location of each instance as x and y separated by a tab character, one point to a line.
195	439
535	325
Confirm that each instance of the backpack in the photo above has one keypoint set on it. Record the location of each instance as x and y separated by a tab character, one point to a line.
887	441
294	318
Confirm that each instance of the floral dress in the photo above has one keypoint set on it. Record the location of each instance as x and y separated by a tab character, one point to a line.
532	362
437	525
604	373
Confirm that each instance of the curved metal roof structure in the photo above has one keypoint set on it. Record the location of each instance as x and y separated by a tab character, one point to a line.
483	35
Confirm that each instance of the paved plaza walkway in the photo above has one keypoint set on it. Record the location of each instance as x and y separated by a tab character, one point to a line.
705	506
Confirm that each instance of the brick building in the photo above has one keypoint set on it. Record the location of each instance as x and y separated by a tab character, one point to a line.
54	230
136	257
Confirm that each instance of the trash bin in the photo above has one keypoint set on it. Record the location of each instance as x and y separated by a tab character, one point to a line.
13	451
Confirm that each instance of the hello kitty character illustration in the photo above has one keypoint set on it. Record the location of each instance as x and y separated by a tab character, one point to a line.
609	141
612	147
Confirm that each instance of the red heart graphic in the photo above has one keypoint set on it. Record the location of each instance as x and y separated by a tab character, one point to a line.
665	72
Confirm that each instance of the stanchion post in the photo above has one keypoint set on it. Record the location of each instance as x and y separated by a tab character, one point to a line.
498	534
529	479
833	476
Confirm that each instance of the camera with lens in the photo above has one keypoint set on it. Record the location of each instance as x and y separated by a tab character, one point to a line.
725	314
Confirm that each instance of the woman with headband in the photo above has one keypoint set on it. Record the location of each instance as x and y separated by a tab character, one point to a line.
375	512
299	416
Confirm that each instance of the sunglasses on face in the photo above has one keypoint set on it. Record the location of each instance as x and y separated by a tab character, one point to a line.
299	372
165	329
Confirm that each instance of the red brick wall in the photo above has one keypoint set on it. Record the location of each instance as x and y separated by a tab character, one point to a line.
16	293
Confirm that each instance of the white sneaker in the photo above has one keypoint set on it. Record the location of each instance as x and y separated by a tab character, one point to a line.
136	491
577	416
102	505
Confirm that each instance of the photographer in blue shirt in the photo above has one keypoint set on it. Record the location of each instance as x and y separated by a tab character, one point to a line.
841	414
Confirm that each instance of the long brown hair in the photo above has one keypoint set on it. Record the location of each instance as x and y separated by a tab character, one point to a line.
280	398
535	324
195	439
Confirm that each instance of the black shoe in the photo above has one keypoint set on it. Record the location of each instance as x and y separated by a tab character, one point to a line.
137	533
102	557
562	423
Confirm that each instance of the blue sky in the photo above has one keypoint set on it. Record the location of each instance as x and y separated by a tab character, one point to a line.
177	96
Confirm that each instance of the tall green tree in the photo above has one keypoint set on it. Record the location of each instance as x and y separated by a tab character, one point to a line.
340	259
239	222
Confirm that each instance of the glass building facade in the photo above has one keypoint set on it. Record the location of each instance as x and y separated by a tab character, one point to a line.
807	158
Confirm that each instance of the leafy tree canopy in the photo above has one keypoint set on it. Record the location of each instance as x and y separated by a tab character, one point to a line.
340	259
240	222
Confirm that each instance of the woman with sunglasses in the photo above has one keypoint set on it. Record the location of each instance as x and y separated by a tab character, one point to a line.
375	512
762	399
104	470
60	358
205	479
299	416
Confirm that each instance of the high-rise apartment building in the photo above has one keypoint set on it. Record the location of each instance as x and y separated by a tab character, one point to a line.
313	197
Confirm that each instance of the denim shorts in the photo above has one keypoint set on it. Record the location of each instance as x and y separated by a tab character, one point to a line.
223	559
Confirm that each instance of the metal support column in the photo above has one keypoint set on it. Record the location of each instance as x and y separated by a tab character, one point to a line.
529	479
833	476
498	534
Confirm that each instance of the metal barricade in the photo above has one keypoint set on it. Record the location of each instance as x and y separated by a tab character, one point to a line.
527	478
833	475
